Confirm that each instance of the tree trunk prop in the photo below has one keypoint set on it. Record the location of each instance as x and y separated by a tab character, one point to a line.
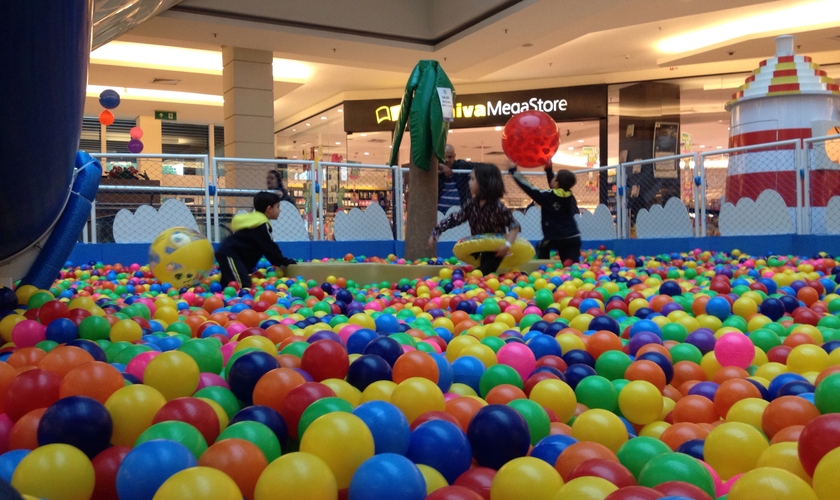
427	110
421	211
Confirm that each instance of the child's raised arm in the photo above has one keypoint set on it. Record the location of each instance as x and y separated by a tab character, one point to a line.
535	194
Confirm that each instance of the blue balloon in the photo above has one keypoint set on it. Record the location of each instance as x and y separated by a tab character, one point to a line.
442	446
468	370
367	369
247	371
389	426
79	421
267	416
498	434
550	447
109	99
147	466
385	477
62	330
9	462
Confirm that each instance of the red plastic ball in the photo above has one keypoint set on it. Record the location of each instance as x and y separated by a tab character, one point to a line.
530	139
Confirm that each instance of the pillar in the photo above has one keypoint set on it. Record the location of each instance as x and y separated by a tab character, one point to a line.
249	102
152	144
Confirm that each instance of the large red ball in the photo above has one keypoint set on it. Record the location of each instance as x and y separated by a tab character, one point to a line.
530	139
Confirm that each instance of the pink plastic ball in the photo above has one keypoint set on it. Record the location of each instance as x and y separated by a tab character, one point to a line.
235	327
137	365
519	357
227	350
28	332
211	380
724	488
734	349
532	310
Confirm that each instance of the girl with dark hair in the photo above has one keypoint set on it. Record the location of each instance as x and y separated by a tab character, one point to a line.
485	213
274	182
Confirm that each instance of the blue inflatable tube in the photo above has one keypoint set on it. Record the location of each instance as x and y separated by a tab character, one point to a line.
66	232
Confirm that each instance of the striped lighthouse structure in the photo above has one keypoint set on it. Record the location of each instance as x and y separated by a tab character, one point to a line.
787	97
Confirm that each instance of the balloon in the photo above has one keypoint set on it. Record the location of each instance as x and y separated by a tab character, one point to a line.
78	421
526	477
387	476
136	133
198	483
443	446
342	441
295	476
55	471
497	435
769	482
106	118
530	138
134	146
109	99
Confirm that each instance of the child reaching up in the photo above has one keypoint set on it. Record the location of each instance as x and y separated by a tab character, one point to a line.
485	213
251	239
559	207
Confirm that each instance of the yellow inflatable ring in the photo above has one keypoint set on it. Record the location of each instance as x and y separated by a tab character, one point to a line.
520	252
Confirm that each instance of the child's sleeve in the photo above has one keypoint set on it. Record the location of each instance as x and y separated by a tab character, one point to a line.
508	219
272	251
535	194
451	221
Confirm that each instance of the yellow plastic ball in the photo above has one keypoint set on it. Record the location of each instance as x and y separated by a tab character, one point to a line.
380	390
181	256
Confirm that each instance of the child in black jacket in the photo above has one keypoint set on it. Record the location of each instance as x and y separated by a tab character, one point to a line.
559	207
251	239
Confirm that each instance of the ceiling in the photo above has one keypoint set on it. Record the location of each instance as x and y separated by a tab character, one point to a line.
367	48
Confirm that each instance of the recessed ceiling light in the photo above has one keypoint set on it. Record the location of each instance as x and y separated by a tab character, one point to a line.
323	117
366	153
364	135
702	145
294	157
469	159
308	125
498	129
580	140
337	143
294	130
450	131
571	148
577	153
718	147
340	110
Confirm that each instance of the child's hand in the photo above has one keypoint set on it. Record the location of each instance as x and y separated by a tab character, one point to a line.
549	165
512	170
502	251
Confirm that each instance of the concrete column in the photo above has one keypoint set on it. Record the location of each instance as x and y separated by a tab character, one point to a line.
249	102
152	144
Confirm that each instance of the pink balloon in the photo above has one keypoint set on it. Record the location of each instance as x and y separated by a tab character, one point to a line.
136	133
137	365
519	357
28	332
734	349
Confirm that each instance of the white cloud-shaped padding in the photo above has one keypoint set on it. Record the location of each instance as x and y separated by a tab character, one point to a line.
457	232
671	221
831	217
370	224
531	223
146	223
289	226
766	215
596	226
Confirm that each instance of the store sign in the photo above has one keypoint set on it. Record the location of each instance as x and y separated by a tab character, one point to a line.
482	110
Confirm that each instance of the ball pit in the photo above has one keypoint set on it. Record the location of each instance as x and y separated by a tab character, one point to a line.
688	375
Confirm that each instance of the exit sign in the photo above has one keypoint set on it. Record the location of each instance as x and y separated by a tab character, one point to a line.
166	115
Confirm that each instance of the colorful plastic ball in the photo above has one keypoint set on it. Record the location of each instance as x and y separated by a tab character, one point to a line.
640	402
587	487
246	372
826	481
241	460
10	460
530	138
610	470
417	396
193	411
498	434
173	373
388	426
28	332
106	465
443	446
78	421
770	482
415	364
676	467
342	440
180	432
387	476
819	437
132	410
198	483
109	99
600	426
453	493
325	359
634	493
255	433
181	257
267	416
734	349
55	471
526	477
295	476
31	390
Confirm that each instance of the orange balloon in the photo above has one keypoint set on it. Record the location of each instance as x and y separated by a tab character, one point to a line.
695	409
572	456
732	391
786	411
416	364
503	394
241	460
685	371
601	342
647	371
106	117
681	432
24	434
64	358
788	434
463	409
26	356
96	380
272	388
